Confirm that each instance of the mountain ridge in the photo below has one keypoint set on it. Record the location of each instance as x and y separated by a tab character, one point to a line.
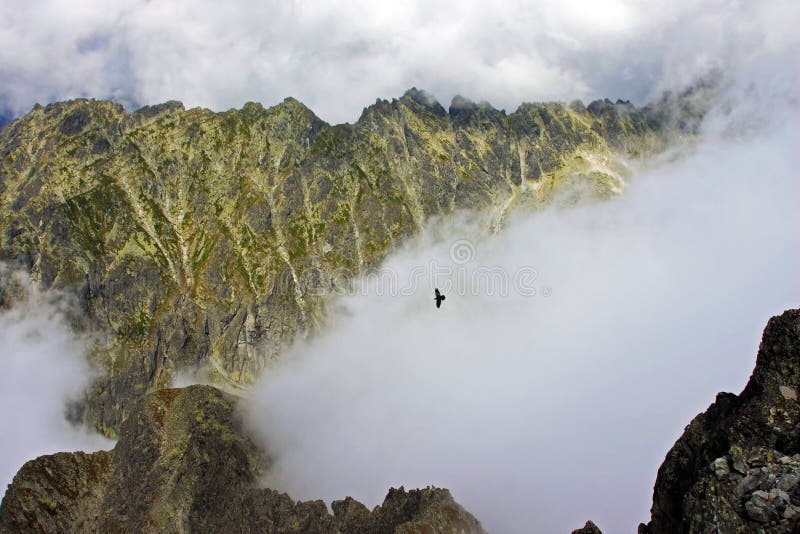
206	239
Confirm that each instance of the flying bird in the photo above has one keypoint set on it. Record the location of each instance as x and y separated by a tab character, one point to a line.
438	298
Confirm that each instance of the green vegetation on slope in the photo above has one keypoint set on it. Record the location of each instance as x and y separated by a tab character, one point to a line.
193	236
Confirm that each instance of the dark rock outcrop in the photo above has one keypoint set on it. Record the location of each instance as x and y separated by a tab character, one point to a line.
184	464
588	528
57	493
736	467
405	512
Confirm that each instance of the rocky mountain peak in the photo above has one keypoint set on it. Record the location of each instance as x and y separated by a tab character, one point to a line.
183	462
422	101
737	465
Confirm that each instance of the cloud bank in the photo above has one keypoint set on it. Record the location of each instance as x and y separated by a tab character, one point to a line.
338	57
539	412
43	367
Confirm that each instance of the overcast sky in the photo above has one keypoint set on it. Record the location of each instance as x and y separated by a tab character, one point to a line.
338	57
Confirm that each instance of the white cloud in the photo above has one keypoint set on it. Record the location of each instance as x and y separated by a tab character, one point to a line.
43	367
338	57
540	412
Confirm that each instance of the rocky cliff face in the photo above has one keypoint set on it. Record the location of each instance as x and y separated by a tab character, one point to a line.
183	464
199	238
736	468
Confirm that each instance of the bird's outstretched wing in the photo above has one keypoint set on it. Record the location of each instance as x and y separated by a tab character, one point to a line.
438	298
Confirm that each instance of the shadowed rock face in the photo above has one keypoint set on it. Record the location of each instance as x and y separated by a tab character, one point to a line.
588	528
183	464
57	493
199	238
736	467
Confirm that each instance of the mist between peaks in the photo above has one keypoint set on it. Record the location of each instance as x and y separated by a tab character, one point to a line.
462	275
